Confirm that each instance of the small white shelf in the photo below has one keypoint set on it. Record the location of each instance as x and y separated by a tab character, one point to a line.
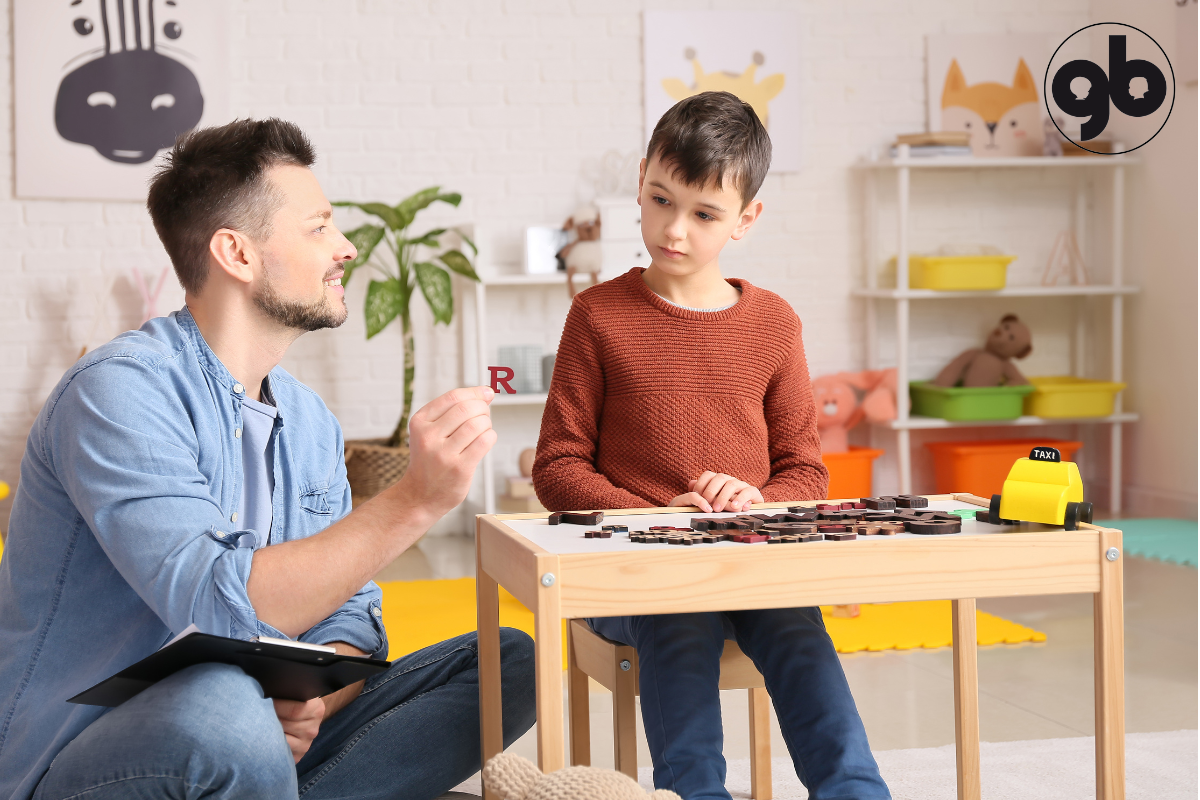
519	399
1011	291
929	423
971	162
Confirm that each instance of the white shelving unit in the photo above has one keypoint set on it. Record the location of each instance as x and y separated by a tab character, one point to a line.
903	166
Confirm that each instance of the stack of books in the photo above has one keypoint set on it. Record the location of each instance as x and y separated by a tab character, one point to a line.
934	144
521	499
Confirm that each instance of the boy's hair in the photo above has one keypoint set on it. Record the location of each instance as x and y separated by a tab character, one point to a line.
711	135
215	178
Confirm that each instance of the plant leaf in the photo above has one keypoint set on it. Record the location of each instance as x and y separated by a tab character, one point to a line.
364	239
430	239
459	263
407	209
435	285
381	210
470	243
384	303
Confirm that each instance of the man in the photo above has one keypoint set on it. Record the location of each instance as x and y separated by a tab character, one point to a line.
178	479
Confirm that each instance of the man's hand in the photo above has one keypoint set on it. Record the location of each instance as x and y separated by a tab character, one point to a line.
448	437
716	491
300	722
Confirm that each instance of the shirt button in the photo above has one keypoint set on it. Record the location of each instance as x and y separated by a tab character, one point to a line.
237	433
221	534
237	387
234	517
376	612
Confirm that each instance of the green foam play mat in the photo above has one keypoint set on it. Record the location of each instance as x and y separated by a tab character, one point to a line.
1173	540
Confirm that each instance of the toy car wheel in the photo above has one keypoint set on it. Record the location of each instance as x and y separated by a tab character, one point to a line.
994	511
1071	517
1085	513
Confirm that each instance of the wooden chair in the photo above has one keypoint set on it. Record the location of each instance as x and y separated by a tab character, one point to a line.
615	667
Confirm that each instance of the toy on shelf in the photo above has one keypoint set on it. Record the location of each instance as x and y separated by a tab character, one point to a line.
992	365
584	254
839	408
521	498
1041	488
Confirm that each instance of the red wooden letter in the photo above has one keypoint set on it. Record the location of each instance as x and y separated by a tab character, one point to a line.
500	377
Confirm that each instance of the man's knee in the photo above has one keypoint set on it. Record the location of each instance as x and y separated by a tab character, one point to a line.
221	711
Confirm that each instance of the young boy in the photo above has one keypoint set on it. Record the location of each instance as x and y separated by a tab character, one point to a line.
676	387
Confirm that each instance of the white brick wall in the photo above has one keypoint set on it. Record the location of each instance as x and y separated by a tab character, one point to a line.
504	102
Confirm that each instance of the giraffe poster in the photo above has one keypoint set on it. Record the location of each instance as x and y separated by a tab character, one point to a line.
752	54
104	86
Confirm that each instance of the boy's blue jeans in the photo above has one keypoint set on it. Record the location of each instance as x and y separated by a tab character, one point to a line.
207	731
679	658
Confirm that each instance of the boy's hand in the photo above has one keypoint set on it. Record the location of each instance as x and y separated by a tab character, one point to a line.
716	491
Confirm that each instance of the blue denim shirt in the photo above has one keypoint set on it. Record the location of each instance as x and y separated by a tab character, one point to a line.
121	532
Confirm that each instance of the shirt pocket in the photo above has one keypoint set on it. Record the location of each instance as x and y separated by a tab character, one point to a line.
315	500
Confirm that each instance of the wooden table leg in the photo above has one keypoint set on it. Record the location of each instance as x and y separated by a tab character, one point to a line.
578	709
966	698
760	744
491	722
547	635
625	690
1109	619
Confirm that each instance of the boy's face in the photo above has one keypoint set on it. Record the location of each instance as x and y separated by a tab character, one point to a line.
684	227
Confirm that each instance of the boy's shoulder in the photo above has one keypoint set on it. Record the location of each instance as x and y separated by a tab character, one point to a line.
619	291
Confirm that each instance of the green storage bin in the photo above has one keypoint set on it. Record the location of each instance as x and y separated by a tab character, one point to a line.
963	403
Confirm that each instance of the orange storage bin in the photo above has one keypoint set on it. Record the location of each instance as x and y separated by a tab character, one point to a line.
980	467
850	472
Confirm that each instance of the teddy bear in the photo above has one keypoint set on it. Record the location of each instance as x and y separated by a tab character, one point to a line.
839	409
583	254
991	366
512	777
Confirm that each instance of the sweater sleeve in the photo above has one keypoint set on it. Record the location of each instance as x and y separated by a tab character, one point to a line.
564	472
797	472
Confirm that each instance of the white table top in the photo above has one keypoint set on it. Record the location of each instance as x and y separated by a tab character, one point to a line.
568	539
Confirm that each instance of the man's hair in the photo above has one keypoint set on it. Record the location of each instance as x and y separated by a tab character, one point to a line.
215	178
709	137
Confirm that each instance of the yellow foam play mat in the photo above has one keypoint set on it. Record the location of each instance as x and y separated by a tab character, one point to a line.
420	613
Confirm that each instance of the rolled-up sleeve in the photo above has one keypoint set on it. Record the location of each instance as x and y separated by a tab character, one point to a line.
123	446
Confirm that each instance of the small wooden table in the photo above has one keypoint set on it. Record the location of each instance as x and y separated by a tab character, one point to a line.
560	575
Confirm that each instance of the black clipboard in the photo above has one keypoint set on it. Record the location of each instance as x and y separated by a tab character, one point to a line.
285	672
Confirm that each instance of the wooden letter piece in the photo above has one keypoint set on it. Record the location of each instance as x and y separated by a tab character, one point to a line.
843	536
879	503
911	501
933	526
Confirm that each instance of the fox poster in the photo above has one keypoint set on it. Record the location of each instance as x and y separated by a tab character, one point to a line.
752	54
990	86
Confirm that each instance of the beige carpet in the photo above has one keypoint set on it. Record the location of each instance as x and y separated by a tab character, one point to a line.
1159	766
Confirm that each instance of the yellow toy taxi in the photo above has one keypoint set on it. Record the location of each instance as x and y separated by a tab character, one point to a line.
1041	488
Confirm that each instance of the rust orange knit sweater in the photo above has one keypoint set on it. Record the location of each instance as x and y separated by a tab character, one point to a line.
646	396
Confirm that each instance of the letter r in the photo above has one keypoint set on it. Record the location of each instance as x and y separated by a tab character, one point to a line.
500	377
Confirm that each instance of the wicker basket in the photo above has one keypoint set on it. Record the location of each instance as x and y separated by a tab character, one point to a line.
372	466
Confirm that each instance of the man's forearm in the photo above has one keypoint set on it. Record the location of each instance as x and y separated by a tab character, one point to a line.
343	697
295	585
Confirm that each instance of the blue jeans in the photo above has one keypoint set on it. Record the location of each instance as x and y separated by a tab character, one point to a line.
207	731
679	659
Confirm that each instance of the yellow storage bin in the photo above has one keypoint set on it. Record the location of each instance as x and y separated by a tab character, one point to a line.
979	273
1065	396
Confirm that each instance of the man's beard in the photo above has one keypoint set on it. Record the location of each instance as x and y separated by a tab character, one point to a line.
301	316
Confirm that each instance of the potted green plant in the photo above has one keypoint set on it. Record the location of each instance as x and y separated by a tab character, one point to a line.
421	261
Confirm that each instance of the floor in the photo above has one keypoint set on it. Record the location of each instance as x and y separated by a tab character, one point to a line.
1036	691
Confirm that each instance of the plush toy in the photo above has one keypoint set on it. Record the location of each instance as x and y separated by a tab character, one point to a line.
583	254
515	778
839	408
991	366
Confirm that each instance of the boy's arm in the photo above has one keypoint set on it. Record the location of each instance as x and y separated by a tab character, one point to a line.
564	472
797	472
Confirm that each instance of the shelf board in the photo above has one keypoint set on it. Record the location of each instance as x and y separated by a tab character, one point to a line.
519	399
1011	291
927	423
971	162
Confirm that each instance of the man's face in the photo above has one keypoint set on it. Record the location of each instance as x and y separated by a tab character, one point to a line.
684	227
301	281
